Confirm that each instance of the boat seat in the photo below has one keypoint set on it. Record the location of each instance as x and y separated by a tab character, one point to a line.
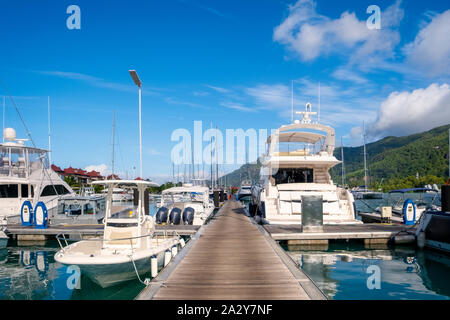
118	236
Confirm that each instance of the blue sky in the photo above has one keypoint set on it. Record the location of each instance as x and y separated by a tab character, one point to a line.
226	62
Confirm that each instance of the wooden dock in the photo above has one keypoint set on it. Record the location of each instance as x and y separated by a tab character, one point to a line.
77	232
231	259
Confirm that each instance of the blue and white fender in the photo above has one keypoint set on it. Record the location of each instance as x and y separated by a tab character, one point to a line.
26	214
40	216
409	212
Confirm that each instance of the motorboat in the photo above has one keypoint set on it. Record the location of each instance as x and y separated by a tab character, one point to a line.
128	245
362	192
187	204
25	175
245	191
119	195
79	210
299	157
399	206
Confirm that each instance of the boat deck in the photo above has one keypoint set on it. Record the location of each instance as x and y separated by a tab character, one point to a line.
232	259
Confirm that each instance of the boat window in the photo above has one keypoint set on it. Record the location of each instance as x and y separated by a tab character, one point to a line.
74	209
50	190
88	209
130	212
300	175
32	191
9	191
24	189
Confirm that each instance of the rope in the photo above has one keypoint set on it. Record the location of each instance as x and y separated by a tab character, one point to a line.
146	282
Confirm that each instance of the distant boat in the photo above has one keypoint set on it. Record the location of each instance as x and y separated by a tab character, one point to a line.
187	204
364	193
245	190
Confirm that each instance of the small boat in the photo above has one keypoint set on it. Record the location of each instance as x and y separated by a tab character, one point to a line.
245	191
187	204
128	245
400	206
364	193
79	210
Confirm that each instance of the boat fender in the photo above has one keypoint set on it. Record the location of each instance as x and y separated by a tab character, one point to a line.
188	215
167	257
154	266
162	215
175	216
41	263
26	213
182	242
421	240
409	212
174	251
40	216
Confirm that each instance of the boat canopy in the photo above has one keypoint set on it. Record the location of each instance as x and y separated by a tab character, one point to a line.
190	189
308	137
412	190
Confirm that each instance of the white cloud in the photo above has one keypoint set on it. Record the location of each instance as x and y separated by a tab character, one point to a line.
102	168
347	75
218	89
404	113
430	50
311	35
238	107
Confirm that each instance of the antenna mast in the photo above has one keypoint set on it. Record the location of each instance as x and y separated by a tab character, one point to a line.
113	141
343	165
365	160
292	101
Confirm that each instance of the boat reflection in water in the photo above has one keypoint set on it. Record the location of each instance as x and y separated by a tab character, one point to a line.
31	273
344	273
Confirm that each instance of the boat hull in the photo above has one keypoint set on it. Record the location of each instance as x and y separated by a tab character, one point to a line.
108	275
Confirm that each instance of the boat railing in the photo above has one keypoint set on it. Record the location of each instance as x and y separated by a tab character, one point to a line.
61	237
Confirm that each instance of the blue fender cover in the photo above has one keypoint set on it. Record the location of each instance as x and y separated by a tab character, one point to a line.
44	223
29	207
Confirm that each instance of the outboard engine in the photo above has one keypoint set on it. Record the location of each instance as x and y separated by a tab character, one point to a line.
188	215
162	215
175	216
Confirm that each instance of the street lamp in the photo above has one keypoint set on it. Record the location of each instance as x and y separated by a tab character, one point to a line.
138	82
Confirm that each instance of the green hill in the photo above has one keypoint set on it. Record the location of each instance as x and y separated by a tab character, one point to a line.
394	161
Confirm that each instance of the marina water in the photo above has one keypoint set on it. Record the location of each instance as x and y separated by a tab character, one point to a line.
341	271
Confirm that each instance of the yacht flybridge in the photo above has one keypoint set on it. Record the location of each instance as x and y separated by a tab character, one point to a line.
297	163
25	175
128	245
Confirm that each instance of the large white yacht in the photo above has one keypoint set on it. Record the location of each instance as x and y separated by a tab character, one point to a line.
296	164
25	175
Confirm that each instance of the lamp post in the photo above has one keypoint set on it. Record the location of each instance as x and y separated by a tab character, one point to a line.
138	82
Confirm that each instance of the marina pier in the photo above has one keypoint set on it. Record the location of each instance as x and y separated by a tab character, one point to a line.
231	259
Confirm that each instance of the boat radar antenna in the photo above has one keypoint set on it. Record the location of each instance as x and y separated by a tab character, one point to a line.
306	114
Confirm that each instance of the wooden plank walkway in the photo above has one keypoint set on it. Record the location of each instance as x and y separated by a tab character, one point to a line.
233	260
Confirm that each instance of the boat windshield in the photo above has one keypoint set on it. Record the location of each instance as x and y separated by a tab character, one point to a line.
21	161
293	175
124	212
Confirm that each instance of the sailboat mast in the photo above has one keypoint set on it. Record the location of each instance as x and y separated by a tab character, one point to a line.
365	158
343	165
4	104
49	133
217	163
113	141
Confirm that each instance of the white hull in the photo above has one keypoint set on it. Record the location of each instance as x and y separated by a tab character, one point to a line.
107	268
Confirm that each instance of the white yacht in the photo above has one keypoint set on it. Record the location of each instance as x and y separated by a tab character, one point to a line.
187	204
297	163
25	175
245	190
120	195
129	242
